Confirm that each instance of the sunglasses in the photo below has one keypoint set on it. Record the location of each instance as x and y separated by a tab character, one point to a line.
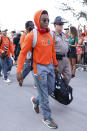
60	24
45	20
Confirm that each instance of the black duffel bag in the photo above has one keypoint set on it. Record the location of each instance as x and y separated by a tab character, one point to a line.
63	92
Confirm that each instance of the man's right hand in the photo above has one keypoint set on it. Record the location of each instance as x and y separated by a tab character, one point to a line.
56	69
19	77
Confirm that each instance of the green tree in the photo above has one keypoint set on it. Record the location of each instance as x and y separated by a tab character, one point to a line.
78	15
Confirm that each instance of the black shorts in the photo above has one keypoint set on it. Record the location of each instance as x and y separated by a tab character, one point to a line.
72	53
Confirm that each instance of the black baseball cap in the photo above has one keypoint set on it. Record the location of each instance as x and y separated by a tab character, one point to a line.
5	30
58	19
13	31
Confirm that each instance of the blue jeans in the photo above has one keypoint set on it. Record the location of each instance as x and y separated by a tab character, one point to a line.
26	69
45	82
0	66
7	64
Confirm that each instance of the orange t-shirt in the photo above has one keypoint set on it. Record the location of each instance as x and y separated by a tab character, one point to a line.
22	39
44	51
6	43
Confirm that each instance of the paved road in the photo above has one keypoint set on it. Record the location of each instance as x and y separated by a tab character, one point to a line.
16	112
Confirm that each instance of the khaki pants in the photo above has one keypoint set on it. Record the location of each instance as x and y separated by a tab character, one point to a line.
65	69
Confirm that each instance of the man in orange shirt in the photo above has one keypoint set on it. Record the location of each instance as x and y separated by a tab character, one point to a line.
29	26
13	33
5	51
44	63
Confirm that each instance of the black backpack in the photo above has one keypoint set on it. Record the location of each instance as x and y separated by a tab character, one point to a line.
63	92
16	41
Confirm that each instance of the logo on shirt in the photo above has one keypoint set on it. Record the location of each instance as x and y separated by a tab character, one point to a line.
45	41
48	41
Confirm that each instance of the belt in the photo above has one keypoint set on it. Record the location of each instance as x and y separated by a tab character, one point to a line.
60	54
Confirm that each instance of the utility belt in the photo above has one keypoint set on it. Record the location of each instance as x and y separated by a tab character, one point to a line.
59	56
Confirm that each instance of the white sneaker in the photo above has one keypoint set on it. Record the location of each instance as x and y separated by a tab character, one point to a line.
8	72
0	75
7	81
34	86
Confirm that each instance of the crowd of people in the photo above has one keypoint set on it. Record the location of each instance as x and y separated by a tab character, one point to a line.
44	53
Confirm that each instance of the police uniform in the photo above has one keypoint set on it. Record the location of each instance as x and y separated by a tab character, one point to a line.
61	47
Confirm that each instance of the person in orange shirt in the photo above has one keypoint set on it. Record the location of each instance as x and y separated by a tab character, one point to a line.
13	33
29	26
5	51
44	63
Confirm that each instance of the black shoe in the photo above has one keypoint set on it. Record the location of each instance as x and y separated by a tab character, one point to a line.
73	75
20	83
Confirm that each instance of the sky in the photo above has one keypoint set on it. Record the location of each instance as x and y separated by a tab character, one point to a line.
14	13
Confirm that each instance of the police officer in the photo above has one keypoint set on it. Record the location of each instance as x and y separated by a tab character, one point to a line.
61	47
29	26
